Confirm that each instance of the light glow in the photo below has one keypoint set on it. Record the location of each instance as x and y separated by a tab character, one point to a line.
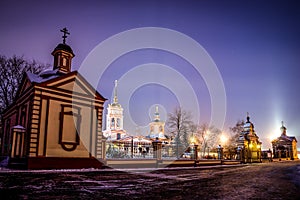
223	139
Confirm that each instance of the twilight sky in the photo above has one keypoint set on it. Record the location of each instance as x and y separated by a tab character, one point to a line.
255	46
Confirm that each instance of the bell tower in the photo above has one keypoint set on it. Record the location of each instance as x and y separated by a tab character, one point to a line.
157	126
63	55
114	118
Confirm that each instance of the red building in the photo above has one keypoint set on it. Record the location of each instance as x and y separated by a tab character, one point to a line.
55	120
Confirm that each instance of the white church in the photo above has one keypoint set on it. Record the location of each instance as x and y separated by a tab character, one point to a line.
114	119
122	144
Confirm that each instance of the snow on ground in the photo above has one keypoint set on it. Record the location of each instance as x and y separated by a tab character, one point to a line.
277	180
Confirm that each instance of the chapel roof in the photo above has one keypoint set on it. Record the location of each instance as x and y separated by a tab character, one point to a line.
43	76
63	47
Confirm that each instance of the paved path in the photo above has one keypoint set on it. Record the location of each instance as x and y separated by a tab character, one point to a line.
277	180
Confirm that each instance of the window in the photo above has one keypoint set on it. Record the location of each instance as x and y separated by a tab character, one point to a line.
118	122
113	123
23	116
118	136
64	61
70	120
6	137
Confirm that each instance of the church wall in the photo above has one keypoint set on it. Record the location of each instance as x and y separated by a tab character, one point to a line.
49	128
294	147
9	121
53	148
50	153
17	114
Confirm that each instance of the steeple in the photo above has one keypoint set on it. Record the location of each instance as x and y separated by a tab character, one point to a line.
115	100
156	115
248	118
283	129
157	126
114	118
63	55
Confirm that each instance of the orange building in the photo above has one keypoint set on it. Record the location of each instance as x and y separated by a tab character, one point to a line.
55	120
285	146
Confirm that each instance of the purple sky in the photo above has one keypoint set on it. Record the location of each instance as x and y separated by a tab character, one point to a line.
254	44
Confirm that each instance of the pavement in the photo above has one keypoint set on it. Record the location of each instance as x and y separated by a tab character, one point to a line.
275	180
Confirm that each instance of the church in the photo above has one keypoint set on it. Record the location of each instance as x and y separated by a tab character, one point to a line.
55	120
157	127
119	143
249	146
114	119
285	146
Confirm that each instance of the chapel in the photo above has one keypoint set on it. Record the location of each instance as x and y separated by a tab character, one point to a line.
285	146
249	146
55	120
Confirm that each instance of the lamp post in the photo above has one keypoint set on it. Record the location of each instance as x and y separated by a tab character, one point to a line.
131	146
208	152
157	145
177	145
224	139
238	151
194	148
220	152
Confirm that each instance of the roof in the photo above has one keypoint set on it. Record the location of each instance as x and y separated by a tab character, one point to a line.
43	76
63	47
49	76
18	127
285	137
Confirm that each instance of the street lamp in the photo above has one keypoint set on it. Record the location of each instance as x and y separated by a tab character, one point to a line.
223	139
207	152
131	146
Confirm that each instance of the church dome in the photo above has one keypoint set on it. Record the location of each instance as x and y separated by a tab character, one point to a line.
64	47
283	129
248	124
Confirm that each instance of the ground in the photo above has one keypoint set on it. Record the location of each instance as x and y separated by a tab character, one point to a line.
276	180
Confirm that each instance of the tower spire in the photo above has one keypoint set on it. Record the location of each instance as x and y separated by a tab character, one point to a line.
283	129
115	92
156	114
248	118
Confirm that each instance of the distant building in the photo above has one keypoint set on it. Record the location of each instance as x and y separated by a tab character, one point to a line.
119	144
55	120
157	127
114	119
249	146
285	146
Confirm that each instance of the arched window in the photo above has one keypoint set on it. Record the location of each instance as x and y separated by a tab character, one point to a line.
113	123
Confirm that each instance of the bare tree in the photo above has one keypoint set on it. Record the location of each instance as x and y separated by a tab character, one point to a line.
179	123
234	134
11	73
207	137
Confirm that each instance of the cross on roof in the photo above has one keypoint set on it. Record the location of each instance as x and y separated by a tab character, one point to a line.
66	32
